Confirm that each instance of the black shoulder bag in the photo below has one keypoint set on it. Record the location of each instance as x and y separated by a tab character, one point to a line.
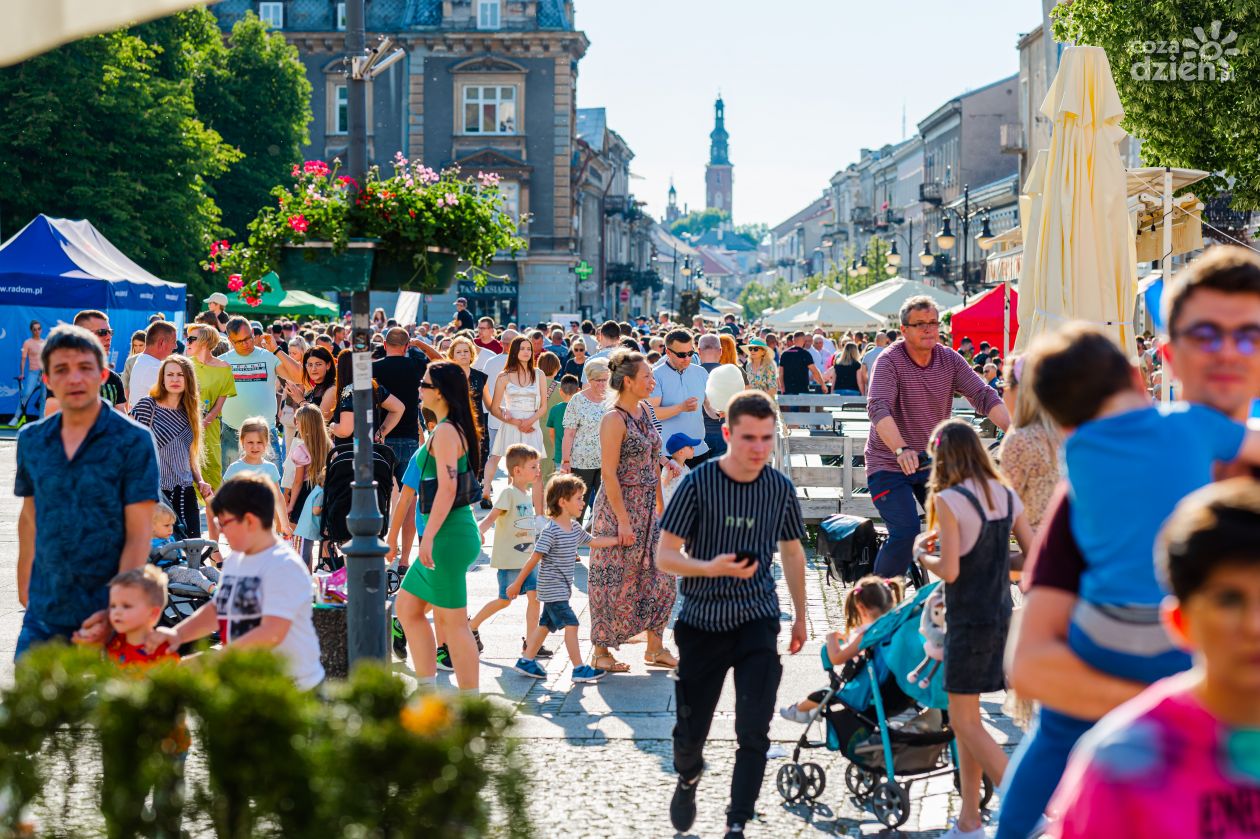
467	486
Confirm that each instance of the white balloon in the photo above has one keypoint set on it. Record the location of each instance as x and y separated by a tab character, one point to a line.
724	382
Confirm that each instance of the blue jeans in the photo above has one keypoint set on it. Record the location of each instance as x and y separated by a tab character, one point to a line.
1035	770
37	631
716	443
30	383
230	444
895	494
404	449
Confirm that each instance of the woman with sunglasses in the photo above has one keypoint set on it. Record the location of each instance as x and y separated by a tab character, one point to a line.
761	371
576	361
216	385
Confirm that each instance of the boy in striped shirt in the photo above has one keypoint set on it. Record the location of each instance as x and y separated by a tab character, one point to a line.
555	556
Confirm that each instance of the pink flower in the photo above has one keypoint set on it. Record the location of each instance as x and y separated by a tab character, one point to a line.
235	283
451	199
347	181
427	175
214	267
295	171
299	223
316	167
441	202
399	159
488	179
214	248
252	301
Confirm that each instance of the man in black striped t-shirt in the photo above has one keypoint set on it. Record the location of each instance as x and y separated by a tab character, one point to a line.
730	514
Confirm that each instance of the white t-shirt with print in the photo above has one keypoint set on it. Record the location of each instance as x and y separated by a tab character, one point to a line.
271	583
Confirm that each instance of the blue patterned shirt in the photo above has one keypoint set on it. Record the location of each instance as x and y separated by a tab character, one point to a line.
80	526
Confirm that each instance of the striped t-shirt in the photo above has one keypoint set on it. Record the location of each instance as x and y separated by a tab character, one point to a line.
715	514
559	549
918	398
174	436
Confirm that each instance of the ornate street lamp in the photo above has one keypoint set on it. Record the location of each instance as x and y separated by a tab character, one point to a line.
985	237
926	258
894	258
945	236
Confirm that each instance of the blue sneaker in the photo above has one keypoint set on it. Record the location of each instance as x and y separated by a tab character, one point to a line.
529	667
587	673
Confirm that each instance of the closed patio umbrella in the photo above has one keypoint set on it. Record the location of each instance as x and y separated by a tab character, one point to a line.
1079	260
40	25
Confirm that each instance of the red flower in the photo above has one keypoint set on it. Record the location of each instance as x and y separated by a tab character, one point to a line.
214	267
295	171
299	223
234	282
411	213
346	180
316	167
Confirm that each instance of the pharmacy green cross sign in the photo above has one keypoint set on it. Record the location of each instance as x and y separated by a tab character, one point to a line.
583	269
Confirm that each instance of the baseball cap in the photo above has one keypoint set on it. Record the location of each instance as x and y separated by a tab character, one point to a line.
218	297
680	441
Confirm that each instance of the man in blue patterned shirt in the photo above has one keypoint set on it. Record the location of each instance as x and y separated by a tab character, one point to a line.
88	480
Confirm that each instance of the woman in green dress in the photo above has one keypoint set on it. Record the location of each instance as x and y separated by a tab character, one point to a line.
216	384
451	540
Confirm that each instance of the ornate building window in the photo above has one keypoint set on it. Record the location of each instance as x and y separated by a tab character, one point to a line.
489	14
339	116
272	14
489	109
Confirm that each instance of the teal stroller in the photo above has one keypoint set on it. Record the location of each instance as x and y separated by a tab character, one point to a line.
854	713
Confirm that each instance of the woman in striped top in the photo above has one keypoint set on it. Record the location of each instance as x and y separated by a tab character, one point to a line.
172	412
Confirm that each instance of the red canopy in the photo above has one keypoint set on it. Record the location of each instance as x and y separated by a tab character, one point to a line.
982	320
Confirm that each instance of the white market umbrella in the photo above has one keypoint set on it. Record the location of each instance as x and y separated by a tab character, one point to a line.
41	25
885	298
823	307
1079	248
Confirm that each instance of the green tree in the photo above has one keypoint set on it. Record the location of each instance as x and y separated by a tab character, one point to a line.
697	222
107	129
1209	117
255	93
759	295
753	232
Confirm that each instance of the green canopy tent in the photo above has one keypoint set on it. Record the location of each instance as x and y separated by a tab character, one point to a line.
278	302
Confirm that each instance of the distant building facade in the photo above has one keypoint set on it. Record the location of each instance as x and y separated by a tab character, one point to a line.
719	173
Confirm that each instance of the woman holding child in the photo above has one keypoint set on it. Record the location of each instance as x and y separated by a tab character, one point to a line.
628	594
172	411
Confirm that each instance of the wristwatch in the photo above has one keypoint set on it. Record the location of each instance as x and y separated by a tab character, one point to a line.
899	451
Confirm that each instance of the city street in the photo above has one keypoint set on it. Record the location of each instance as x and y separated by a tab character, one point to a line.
599	755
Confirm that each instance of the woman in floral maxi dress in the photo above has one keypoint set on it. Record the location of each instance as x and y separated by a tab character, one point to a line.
627	594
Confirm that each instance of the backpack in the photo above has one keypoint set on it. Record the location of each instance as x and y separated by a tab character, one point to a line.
850	544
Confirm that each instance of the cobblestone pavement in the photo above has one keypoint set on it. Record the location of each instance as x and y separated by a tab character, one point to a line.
600	754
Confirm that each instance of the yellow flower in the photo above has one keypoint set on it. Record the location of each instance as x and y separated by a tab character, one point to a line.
427	715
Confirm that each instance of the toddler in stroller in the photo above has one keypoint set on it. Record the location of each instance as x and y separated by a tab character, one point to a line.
191	575
857	711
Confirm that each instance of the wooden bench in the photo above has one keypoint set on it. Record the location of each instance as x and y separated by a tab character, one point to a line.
829	411
825	489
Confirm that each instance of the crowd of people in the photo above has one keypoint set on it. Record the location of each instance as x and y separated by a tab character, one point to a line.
609	442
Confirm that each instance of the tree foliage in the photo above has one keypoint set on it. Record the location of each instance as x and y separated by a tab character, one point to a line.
1199	119
768	292
158	134
753	232
697	222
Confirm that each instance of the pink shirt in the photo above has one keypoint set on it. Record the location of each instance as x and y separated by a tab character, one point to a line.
1161	765
917	398
966	515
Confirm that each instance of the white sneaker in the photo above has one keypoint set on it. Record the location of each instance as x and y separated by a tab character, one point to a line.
955	833
793	714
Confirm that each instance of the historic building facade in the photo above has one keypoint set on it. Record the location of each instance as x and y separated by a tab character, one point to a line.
488	85
719	173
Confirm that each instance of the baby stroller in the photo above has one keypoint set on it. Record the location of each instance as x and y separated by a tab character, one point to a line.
339	491
855	712
182	599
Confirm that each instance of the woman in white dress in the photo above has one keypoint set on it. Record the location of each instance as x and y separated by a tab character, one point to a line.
520	401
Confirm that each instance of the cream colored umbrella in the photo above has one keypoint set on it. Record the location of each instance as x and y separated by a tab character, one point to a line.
823	307
1080	245
40	25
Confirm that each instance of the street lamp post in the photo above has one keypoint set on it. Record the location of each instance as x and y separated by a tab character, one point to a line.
365	552
946	240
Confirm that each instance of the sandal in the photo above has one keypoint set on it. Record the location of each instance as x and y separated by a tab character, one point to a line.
614	666
661	658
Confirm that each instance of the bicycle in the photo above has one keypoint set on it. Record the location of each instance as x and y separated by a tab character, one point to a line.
34	399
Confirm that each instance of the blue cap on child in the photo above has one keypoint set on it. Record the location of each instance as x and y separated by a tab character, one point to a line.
680	441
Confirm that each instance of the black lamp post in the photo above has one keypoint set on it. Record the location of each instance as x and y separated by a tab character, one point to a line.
365	552
946	240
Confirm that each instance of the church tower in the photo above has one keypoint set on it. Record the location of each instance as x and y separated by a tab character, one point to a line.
671	208
717	174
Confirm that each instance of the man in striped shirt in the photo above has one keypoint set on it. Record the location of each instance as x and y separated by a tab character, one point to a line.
912	389
731	513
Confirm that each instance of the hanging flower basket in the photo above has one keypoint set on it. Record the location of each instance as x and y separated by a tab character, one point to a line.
410	232
318	267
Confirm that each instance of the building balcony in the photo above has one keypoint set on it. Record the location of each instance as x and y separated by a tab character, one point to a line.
1011	138
930	192
862	217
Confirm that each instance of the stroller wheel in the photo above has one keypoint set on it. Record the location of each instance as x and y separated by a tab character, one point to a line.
891	804
860	782
393	580
814	780
791	782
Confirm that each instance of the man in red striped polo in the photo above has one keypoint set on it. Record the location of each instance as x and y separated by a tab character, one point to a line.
912	389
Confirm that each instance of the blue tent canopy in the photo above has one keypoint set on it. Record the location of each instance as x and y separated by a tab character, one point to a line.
53	268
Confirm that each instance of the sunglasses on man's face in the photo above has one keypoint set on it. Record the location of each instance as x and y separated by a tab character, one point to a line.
679	353
103	333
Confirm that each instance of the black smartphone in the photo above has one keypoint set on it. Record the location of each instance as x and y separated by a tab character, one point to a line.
925	460
745	558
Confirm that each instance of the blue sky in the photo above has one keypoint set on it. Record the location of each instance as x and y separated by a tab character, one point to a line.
807	83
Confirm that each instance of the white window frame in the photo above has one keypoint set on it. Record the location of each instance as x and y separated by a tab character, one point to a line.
340	13
489	14
340	98
480	100
271	11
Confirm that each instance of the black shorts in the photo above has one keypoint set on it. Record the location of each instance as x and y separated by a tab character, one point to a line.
973	658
